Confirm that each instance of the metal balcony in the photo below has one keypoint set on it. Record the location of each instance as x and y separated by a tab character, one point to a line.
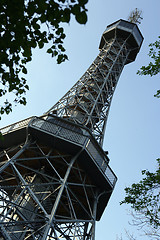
73	137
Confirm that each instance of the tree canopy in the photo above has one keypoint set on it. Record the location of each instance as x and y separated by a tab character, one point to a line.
144	198
153	68
25	25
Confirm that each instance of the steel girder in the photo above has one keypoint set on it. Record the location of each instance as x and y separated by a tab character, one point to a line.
88	101
45	194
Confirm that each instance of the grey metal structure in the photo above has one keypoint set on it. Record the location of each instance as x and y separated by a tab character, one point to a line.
54	175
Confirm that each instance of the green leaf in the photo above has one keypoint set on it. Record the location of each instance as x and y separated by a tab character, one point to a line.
24	70
66	15
23	101
55	53
41	44
157	94
59	31
81	17
75	9
60	59
27	87
49	50
82	2
36	26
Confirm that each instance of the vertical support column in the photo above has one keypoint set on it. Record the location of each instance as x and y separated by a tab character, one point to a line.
64	181
94	216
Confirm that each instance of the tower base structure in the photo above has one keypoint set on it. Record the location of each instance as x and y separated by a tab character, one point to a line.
47	192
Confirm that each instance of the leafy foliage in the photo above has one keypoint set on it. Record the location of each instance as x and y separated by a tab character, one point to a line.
153	67
144	198
25	25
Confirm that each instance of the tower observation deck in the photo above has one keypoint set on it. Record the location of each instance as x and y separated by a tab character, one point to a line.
55	177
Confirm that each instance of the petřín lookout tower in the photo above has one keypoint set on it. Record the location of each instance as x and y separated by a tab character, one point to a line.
55	177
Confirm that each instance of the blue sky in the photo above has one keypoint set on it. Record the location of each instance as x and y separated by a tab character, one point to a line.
132	133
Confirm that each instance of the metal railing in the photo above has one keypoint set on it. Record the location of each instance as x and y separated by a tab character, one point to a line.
79	136
70	132
15	126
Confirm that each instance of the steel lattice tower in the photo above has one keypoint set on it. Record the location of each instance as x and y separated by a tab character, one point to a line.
54	175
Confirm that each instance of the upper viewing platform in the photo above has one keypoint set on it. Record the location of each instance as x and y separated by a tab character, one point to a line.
124	30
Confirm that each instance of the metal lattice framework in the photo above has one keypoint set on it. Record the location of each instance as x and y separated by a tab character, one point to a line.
45	194
55	177
88	101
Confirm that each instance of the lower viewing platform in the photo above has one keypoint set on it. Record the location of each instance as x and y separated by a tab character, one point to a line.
71	138
72	134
